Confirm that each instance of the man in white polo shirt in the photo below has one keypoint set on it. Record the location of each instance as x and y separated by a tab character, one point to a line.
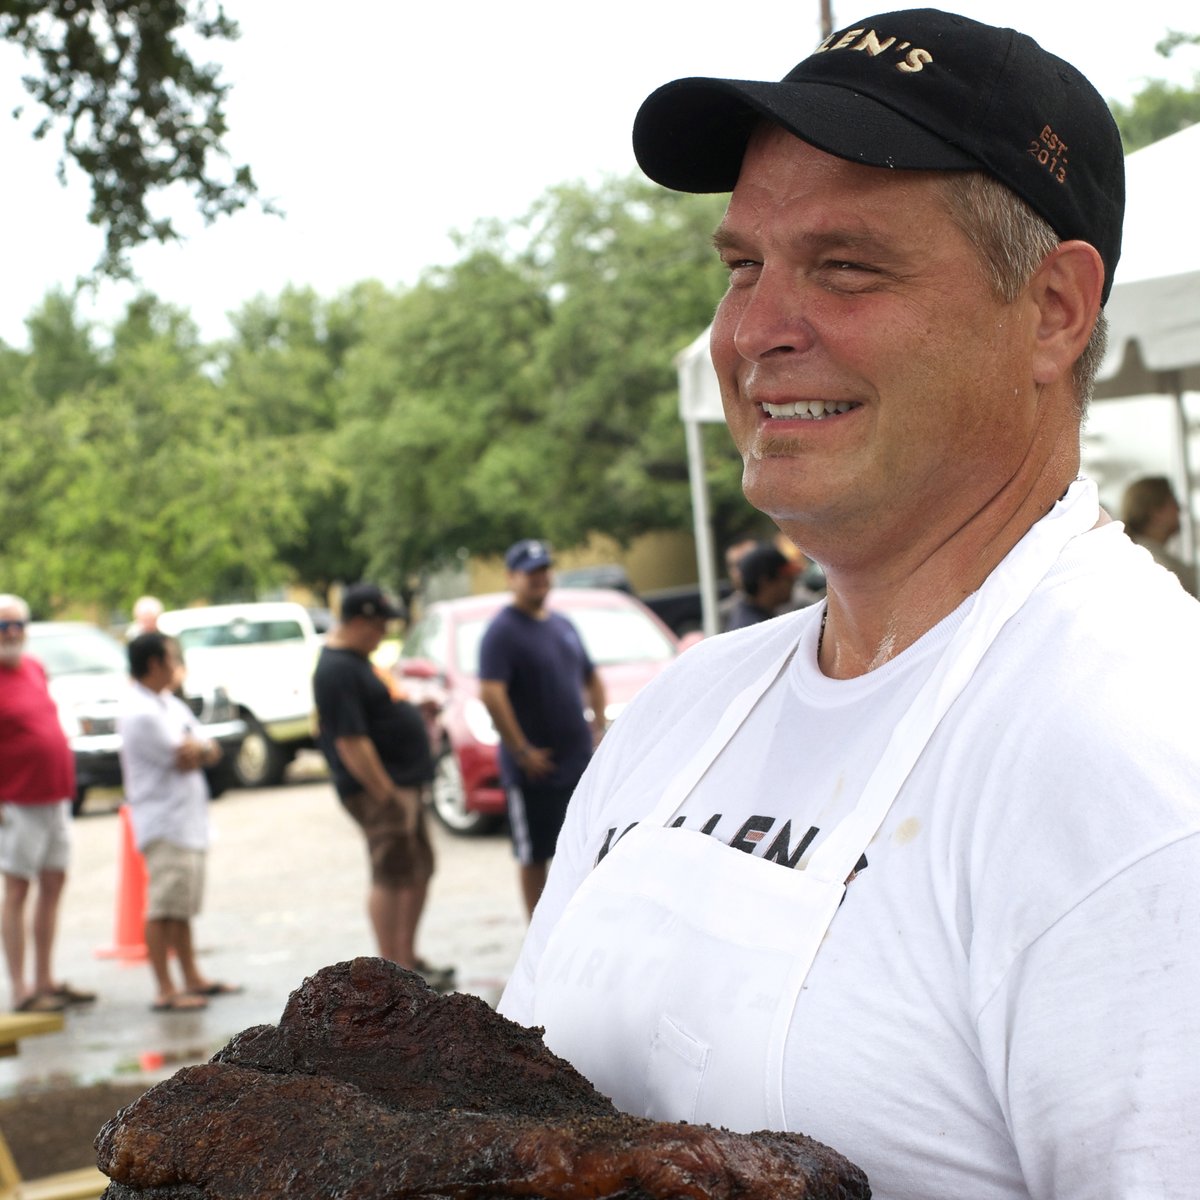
163	754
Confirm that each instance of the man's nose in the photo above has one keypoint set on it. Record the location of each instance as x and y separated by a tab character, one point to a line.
775	317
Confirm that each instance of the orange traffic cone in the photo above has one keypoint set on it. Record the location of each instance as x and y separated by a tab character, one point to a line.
130	928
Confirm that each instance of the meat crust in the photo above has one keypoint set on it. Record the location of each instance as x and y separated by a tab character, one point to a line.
373	1087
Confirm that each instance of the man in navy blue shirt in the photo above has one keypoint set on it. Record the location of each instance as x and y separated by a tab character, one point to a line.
534	673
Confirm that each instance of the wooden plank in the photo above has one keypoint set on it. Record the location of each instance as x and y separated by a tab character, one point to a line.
14	1026
10	1177
84	1184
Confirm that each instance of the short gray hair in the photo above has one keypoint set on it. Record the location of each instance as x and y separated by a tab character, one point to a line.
10	601
1012	241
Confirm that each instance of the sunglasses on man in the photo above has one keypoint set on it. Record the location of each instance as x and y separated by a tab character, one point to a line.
6	625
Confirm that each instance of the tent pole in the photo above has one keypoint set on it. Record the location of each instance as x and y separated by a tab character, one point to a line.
701	526
1187	519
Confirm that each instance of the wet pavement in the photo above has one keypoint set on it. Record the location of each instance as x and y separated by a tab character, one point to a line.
285	892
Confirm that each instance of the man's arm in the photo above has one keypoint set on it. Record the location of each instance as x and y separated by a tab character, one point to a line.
594	687
534	761
193	753
195	750
361	759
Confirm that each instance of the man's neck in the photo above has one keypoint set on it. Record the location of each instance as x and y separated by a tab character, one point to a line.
537	610
337	640
879	604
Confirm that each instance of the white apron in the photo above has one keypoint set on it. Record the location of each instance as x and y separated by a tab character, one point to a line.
671	978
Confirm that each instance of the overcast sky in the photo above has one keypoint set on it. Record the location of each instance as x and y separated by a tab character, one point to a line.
383	131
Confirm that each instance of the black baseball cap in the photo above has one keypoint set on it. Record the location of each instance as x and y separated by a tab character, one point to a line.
916	89
368	600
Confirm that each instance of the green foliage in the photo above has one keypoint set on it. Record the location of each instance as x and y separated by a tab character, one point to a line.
137	114
281	375
63	358
530	387
142	480
1160	108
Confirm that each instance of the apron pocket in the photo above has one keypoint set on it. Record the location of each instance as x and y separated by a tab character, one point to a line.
674	1072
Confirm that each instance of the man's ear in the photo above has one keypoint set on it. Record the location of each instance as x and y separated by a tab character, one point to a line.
1066	289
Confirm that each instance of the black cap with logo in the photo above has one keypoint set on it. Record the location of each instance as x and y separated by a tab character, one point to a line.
917	89
368	600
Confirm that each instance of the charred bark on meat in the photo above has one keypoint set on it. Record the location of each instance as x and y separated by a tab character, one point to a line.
373	1086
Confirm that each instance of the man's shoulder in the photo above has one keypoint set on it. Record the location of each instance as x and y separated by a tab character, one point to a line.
139	701
506	618
337	660
508	625
26	670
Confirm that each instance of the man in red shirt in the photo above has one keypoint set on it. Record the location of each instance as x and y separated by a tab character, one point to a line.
37	780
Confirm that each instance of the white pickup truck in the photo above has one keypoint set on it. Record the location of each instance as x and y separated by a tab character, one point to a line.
263	654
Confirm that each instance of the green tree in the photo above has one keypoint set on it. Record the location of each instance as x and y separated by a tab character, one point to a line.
1160	108
530	386
63	356
281	373
142	480
439	402
634	278
137	114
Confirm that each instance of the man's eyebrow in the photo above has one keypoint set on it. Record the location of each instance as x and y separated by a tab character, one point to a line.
724	239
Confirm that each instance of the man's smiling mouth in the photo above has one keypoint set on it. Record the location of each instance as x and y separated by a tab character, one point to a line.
807	410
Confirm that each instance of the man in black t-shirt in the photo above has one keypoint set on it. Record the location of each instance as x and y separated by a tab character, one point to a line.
378	753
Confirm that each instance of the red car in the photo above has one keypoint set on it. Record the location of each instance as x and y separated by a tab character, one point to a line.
440	662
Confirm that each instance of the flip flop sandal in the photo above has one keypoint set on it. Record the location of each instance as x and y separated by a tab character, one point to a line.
184	1002
42	1002
217	989
70	995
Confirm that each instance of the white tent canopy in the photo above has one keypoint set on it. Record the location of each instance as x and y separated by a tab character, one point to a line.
1153	315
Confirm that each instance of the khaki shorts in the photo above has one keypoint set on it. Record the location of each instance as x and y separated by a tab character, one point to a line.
35	838
176	881
398	860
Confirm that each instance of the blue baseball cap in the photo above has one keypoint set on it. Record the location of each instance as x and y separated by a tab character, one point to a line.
528	555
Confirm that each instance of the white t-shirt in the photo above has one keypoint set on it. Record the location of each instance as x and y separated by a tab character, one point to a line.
1006	1004
165	804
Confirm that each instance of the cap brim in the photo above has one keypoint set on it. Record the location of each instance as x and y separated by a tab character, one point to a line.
690	135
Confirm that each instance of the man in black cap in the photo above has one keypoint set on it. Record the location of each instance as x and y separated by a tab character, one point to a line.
906	870
378	753
766	577
534	673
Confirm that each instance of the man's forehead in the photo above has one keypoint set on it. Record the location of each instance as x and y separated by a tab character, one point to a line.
780	168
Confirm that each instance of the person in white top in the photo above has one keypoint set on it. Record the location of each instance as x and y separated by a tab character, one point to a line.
912	871
163	753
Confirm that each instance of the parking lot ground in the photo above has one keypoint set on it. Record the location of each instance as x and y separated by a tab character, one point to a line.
285	894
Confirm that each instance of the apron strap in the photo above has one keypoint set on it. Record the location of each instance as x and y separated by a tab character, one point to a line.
731	719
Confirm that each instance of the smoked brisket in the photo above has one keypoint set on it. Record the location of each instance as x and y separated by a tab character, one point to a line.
373	1086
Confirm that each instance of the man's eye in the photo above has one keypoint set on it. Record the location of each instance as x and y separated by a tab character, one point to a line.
842	274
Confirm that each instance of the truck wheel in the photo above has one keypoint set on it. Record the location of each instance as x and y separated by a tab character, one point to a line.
259	762
450	799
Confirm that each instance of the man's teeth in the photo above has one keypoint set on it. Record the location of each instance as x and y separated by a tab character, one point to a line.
808	410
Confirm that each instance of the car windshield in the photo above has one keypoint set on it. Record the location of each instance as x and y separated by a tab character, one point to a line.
80	651
240	633
610	635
